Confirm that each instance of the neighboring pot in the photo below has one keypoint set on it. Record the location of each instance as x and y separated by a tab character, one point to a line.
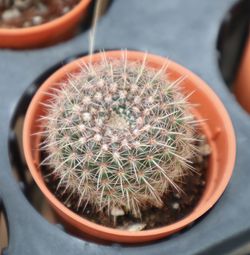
218	130
241	86
45	34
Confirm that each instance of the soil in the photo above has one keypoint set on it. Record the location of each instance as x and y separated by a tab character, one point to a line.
38	12
176	205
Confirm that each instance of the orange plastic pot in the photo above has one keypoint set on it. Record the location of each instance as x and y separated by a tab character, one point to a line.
45	34
218	130
241	86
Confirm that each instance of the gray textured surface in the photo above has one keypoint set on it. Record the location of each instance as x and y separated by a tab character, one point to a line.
184	31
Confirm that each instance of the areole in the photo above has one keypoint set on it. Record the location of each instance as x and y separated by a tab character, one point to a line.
218	130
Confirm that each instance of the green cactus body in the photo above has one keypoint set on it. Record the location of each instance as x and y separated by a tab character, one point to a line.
118	134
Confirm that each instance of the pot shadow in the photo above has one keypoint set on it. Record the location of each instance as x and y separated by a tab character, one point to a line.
232	39
23	176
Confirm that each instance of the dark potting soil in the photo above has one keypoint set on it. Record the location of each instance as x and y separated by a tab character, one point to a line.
176	205
35	12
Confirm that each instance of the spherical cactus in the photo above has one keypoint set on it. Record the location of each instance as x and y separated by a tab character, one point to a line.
119	135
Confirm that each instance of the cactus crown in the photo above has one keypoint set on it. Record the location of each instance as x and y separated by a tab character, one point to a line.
118	134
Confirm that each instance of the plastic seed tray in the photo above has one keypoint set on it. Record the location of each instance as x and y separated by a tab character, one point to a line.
184	31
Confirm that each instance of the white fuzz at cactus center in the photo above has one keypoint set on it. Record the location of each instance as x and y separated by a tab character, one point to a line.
118	135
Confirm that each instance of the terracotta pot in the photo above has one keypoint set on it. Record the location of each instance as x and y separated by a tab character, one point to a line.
241	86
218	129
45	34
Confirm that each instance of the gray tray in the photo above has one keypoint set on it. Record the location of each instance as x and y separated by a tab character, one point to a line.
184	31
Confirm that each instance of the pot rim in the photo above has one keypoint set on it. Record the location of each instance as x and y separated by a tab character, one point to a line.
48	25
197	211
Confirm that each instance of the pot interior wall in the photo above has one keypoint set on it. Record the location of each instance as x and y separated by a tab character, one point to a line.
3	231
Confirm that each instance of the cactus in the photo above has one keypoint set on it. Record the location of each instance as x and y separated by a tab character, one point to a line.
118	135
